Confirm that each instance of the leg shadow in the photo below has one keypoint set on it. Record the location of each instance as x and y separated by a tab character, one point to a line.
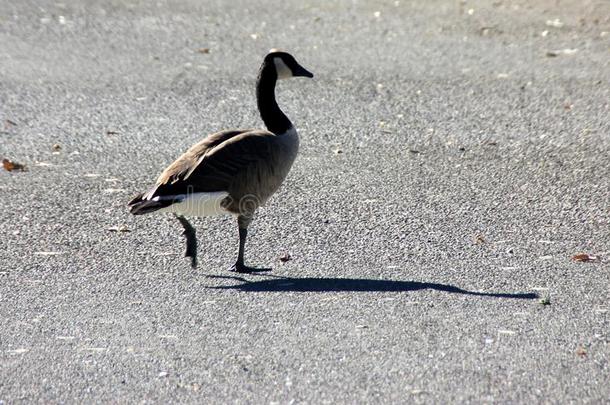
290	284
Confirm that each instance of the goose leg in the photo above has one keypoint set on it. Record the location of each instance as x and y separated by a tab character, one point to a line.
191	240
239	266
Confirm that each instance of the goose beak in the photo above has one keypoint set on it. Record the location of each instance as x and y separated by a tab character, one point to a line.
301	71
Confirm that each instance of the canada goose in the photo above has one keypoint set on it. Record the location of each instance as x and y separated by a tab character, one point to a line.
232	171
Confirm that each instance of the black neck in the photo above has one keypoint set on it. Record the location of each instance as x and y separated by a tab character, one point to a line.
272	116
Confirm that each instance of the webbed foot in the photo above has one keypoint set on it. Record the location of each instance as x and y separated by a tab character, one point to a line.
242	268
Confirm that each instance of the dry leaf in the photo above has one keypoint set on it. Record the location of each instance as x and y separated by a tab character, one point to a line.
285	257
581	351
48	253
203	50
585	257
479	239
9	123
557	23
13	166
112	133
56	147
490	30
121	228
545	301
557	52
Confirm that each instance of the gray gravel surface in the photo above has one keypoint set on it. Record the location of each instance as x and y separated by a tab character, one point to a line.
454	158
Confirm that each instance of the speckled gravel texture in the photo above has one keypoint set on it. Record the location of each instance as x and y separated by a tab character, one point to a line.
454	157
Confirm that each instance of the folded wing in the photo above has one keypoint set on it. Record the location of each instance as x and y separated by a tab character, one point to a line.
209	166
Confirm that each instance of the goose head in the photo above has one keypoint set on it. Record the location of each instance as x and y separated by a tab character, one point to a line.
285	65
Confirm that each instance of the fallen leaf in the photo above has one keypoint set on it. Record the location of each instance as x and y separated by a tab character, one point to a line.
545	301
9	123
48	253
94	349
581	351
285	257
18	351
112	133
203	50
121	228
479	239
557	23
13	166
585	257
557	52
489	30
56	147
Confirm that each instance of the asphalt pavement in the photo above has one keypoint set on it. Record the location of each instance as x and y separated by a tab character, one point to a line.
454	159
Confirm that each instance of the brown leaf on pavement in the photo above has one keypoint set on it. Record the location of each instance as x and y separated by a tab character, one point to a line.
10	166
585	257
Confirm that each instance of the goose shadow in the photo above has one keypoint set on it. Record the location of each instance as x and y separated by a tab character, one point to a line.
321	285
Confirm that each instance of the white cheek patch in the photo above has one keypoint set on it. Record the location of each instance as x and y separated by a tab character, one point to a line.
283	71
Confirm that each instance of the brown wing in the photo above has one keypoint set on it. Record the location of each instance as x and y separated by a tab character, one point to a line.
212	164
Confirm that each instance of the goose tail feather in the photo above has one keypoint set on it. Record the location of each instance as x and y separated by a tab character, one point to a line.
140	206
